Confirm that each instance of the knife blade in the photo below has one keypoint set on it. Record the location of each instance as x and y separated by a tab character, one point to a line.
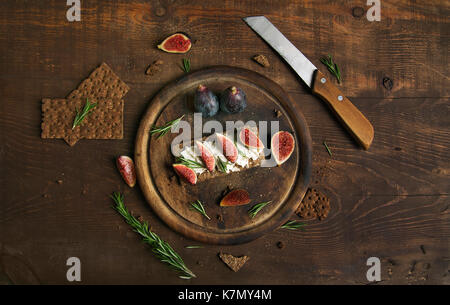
354	121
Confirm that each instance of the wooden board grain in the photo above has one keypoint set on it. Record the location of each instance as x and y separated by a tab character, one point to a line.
284	185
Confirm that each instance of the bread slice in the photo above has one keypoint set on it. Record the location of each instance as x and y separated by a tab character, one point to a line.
247	158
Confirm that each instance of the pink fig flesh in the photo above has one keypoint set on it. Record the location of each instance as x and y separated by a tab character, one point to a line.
235	198
282	146
125	165
207	156
228	148
186	173
249	138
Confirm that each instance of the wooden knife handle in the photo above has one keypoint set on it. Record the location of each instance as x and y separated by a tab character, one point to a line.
354	121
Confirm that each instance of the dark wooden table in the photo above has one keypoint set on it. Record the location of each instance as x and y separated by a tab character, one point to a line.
391	202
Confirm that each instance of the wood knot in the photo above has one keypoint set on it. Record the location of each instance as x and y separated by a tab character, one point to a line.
388	83
357	12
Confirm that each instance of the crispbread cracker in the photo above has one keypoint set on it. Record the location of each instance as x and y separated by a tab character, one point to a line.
103	83
235	263
105	121
314	205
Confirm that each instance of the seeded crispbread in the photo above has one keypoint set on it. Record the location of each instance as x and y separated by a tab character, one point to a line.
102	83
105	121
314	205
235	263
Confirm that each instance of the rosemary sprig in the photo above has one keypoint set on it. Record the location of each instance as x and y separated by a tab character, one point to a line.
293	225
327	148
332	67
221	165
81	115
162	130
189	163
186	65
194	247
198	206
161	248
256	208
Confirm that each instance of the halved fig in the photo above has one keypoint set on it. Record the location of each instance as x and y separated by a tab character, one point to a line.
125	165
186	173
250	138
235	198
282	145
207	156
176	43
228	148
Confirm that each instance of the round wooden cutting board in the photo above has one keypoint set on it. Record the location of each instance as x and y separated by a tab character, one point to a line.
170	197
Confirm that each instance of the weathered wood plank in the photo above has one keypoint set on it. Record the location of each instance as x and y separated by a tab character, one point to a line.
387	202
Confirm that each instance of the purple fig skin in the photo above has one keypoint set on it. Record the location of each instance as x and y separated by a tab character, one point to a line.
125	165
205	102
233	100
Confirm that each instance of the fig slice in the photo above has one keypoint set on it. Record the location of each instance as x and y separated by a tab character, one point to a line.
235	198
207	156
228	148
282	145
250	138
186	173
176	43
125	165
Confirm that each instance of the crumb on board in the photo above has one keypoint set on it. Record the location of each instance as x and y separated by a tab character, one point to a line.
154	67
262	60
277	113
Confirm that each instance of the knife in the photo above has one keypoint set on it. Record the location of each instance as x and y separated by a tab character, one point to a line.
354	121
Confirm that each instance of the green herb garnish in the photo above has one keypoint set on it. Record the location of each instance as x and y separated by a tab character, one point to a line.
293	225
194	247
332	67
186	65
239	151
198	206
161	248
221	165
162	130
328	149
189	163
256	208
79	117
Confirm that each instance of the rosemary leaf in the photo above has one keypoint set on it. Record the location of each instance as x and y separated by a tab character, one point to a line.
189	163
256	208
293	225
221	165
162	130
186	65
79	117
327	148
161	248
194	247
332	67
198	206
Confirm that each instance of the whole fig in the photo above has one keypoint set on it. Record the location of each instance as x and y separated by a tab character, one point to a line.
205	101
233	100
